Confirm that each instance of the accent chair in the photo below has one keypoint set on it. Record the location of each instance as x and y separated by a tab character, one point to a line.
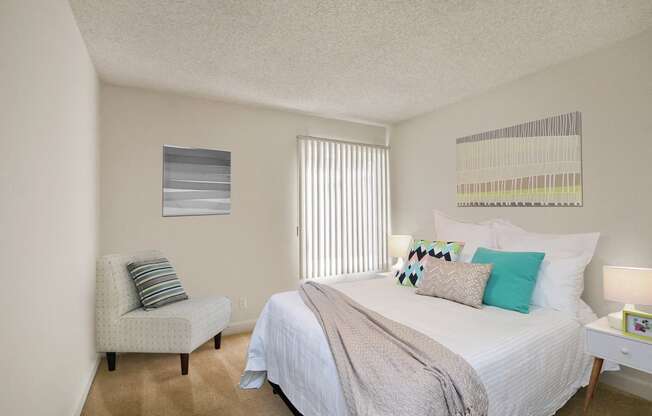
122	325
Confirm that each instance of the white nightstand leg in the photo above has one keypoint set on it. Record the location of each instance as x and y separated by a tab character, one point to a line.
595	376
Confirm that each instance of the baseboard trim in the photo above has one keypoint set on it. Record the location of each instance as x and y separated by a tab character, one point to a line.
240	327
89	383
628	383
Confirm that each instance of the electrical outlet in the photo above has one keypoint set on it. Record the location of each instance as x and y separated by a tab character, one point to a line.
243	303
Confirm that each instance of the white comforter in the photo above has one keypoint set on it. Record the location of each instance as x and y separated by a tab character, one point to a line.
530	364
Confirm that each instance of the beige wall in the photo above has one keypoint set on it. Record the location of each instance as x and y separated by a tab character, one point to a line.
48	233
613	90
253	252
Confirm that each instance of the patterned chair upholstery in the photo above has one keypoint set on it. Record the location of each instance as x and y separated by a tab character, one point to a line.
124	326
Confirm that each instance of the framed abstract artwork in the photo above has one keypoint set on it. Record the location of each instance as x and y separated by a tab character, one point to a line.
196	181
538	163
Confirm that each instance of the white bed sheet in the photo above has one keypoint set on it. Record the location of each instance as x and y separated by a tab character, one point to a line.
530	364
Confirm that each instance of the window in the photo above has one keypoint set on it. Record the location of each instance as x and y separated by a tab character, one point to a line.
343	207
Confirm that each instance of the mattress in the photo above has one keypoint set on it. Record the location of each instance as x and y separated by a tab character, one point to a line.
530	364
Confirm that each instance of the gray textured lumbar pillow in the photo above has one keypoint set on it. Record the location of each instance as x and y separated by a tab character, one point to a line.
156	282
460	282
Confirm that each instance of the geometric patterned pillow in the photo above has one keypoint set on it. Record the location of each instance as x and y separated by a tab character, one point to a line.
413	268
460	282
156	282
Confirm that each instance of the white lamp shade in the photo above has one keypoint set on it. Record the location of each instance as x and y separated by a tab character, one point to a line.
399	245
632	285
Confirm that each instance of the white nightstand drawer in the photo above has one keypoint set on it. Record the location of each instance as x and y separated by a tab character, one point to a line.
628	352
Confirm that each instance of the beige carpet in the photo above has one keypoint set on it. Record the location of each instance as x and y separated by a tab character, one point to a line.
151	384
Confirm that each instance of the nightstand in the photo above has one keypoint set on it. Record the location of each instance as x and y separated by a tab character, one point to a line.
605	343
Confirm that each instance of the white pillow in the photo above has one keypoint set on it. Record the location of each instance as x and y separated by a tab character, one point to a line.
501	225
560	283
474	235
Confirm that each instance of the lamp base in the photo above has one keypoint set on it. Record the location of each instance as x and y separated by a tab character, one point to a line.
396	268
616	318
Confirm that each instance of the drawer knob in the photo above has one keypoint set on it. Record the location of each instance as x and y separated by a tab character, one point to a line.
624	350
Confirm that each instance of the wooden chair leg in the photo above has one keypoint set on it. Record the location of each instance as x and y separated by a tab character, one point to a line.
110	359
218	341
184	364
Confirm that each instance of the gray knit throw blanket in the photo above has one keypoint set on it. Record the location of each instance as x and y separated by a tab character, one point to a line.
386	368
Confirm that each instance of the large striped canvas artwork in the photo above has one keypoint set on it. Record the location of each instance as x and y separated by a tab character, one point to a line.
538	163
196	181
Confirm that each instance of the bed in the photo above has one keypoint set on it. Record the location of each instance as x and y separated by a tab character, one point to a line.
530	364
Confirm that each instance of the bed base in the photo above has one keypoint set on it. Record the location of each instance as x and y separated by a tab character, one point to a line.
276	389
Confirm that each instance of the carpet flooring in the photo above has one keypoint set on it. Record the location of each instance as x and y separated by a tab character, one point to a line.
151	384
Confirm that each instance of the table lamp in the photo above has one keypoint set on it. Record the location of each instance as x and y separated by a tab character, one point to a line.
398	248
629	285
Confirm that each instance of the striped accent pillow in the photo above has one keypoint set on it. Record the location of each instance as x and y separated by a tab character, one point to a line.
156	282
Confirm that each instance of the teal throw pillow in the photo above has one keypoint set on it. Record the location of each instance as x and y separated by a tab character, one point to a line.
512	279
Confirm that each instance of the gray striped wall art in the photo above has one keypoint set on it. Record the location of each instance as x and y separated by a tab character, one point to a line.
196	181
538	163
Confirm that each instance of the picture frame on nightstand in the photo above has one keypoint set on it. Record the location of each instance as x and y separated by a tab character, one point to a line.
637	324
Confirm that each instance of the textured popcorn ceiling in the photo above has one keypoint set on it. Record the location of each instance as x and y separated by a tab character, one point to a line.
381	61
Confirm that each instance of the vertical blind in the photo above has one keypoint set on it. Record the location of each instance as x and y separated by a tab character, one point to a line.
343	207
